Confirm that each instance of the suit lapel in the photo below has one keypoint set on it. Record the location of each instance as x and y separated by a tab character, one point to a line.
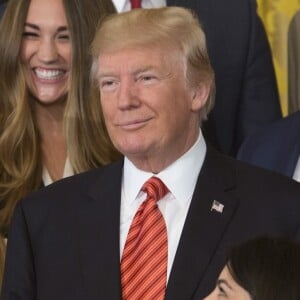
98	227
204	228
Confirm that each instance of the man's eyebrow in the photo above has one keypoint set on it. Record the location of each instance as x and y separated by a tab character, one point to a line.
104	74
143	69
135	72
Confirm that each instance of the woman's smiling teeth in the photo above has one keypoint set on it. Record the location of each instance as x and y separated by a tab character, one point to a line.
48	74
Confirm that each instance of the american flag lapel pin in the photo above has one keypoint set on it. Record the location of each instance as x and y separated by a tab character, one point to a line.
217	206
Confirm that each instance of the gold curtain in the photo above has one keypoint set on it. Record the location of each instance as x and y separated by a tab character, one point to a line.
277	16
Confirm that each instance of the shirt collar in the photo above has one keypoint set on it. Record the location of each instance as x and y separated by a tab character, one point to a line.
180	177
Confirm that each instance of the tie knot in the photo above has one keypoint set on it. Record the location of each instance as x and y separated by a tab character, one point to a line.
155	188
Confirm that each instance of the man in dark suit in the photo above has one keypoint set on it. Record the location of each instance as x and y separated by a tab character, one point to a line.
246	94
276	148
156	86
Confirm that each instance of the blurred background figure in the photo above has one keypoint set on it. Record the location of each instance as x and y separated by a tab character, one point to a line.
281	20
260	269
246	89
294	63
50	124
276	147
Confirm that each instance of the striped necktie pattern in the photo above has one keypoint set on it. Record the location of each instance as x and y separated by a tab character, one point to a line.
145	255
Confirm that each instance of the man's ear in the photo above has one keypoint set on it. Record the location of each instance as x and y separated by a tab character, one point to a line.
200	95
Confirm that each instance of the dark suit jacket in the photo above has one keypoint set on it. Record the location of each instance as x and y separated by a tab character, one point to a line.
247	97
64	239
276	148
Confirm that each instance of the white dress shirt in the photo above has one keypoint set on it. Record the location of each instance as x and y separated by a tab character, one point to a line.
124	5
180	178
296	175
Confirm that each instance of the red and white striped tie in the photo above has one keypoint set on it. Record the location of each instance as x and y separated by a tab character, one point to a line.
145	255
136	4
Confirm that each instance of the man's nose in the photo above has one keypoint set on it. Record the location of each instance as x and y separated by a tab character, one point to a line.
128	96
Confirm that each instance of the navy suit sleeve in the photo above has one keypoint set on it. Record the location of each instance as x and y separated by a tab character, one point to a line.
256	149
19	275
264	150
259	102
276	147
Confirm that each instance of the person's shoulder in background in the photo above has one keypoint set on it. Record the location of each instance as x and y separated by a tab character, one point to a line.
276	147
246	89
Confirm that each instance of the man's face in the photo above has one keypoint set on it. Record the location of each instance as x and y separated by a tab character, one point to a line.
150	113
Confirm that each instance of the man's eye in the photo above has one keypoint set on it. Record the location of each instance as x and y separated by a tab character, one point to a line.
148	77
107	85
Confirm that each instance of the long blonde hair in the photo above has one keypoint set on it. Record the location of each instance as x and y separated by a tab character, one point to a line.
86	138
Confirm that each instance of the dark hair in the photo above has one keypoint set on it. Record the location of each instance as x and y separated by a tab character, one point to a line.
268	268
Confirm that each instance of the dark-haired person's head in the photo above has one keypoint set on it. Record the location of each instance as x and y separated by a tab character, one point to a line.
261	269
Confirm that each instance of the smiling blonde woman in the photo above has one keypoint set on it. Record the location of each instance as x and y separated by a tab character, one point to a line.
50	115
